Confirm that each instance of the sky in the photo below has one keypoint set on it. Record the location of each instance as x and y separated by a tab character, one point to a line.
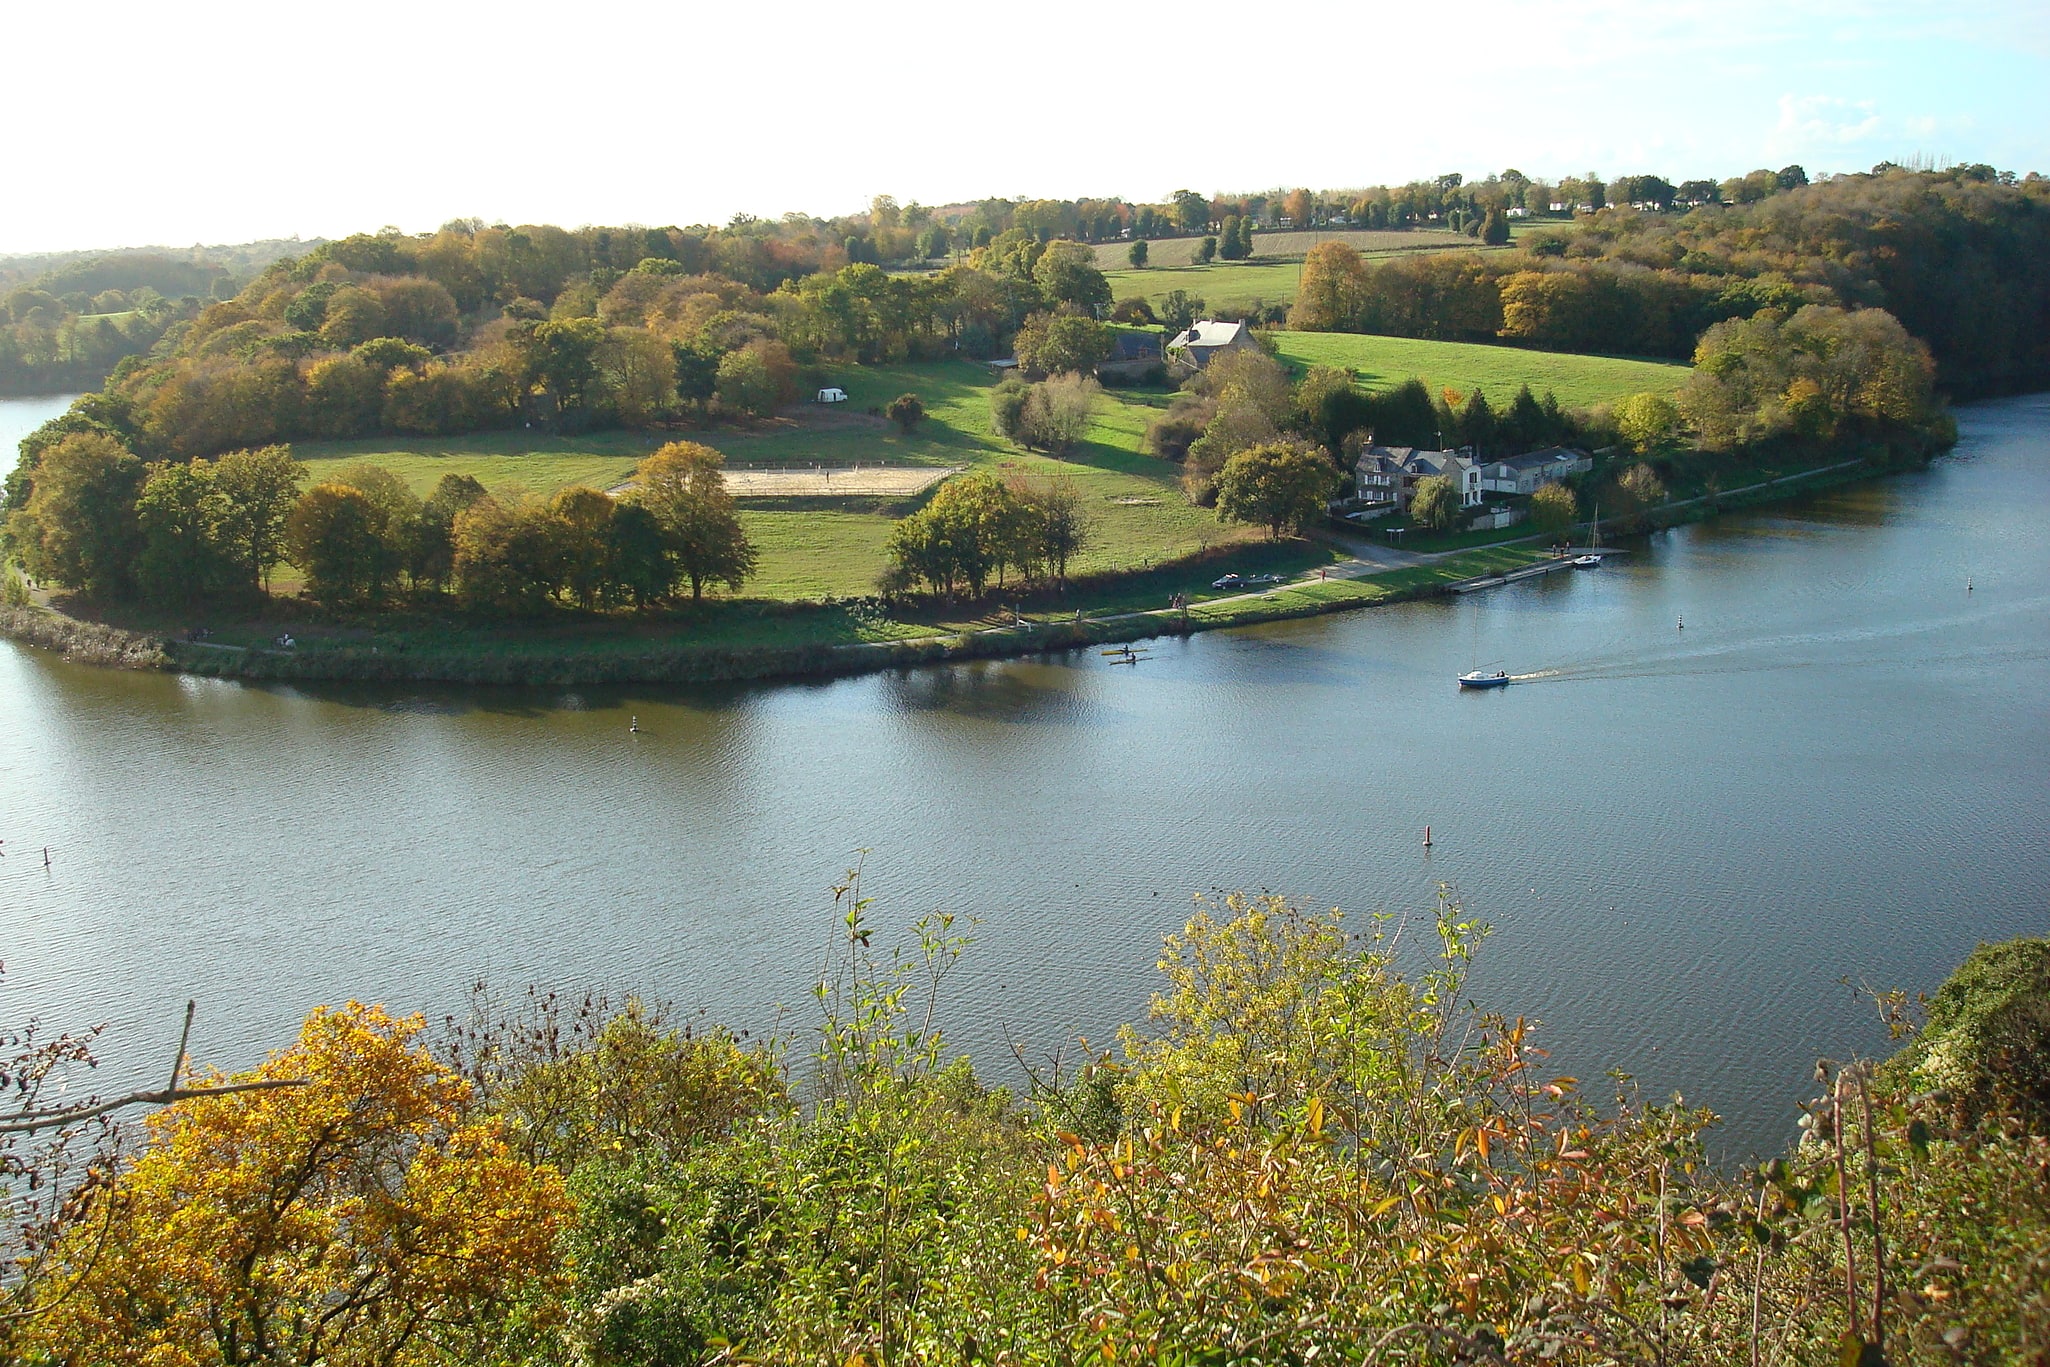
219	121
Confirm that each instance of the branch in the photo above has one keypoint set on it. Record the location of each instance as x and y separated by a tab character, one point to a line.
47	1120
30	1121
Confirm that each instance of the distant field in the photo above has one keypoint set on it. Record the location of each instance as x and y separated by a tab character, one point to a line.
1578	381
1181	251
1236	286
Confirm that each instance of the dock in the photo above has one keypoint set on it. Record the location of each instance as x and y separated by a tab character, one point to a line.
1496	581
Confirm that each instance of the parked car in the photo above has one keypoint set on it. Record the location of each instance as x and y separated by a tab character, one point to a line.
1230	581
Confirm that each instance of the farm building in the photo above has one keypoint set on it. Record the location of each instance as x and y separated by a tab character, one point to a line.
1134	357
1188	352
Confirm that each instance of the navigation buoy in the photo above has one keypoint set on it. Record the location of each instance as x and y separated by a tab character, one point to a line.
1968	584
46	856
634	724
1683	623
1427	837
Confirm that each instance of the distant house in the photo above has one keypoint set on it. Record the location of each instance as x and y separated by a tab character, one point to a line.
1527	473
1389	474
1134	357
1191	351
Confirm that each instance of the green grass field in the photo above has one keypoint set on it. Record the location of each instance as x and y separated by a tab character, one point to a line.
1578	381
1235	285
1139	516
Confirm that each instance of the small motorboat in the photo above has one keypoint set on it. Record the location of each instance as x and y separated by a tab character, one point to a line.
1480	678
1586	562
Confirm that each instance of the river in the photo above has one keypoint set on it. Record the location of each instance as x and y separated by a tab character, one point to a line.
1685	839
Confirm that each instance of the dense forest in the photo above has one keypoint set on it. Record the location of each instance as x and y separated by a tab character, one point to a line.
68	318
1961	259
1316	1149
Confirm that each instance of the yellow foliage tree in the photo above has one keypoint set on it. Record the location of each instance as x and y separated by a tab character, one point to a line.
360	1218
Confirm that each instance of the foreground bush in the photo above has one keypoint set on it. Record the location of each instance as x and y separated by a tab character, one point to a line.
1314	1153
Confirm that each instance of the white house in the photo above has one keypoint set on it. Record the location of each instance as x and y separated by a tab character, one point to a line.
1527	473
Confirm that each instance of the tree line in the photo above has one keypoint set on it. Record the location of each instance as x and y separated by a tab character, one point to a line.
1961	258
176	533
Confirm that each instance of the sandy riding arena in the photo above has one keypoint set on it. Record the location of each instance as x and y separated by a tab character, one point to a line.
825	481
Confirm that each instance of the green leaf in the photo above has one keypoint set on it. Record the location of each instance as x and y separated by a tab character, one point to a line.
1918	1137
1761	1233
1850	1350
1700	1271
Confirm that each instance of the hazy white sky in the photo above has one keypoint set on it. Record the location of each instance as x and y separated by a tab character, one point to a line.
220	121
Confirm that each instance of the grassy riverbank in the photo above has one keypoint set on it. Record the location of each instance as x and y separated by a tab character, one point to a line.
743	639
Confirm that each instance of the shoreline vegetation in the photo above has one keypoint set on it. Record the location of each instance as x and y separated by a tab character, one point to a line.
481	453
829	636
1318	1145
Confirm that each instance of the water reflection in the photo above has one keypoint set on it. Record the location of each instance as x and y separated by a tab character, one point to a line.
1683	837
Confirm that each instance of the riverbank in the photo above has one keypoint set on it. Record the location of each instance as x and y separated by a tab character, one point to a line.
502	656
784	641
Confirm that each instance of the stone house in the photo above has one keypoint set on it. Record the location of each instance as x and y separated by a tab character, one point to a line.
1389	474
1527	473
1189	352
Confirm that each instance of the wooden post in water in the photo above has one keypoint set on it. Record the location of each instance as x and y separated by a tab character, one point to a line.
1427	837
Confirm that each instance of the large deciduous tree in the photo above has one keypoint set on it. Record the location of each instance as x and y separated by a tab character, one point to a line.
183	517
78	526
684	486
1333	290
260	486
1282	486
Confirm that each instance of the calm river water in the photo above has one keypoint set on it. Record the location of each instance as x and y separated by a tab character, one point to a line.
1684	838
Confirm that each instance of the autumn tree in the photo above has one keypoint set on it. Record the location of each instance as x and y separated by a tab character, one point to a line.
1649	422
1056	520
973	529
684	486
509	555
1282	486
260	487
344	1221
581	520
431	552
1179	310
333	535
1333	290
78	526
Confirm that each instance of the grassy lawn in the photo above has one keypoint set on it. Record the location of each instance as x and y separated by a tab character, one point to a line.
835	547
1382	362
535	461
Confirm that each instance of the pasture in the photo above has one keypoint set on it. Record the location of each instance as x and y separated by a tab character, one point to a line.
833	544
1383	362
1181	251
1236	286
